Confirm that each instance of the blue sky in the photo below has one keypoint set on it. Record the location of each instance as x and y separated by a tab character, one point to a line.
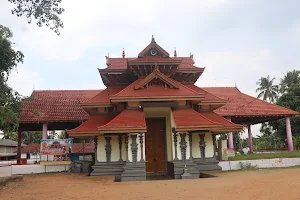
237	41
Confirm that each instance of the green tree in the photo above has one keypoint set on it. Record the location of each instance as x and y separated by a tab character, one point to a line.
267	90
290	79
291	100
9	99
28	137
43	11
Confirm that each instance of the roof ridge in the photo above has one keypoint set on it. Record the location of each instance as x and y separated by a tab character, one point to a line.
67	90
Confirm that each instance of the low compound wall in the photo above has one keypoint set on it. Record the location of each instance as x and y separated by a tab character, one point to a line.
262	163
10	170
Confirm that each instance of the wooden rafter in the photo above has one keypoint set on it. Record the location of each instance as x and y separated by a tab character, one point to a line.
156	74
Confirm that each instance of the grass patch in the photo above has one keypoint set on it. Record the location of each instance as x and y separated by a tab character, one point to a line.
257	156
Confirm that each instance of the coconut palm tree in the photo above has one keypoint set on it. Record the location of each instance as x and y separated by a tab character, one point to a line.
290	79
267	90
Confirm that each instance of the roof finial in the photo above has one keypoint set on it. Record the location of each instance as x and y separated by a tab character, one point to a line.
175	52
123	53
156	67
153	40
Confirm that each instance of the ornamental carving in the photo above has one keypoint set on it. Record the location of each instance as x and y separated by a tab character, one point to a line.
175	144
134	149
108	149
202	145
120	137
141	136
183	147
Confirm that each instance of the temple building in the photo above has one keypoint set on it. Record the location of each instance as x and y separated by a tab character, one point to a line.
151	118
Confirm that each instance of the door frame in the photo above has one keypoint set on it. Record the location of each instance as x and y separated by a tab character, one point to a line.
165	143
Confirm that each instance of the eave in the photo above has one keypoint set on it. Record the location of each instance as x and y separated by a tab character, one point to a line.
155	98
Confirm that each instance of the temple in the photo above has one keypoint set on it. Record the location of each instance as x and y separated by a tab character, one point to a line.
151	118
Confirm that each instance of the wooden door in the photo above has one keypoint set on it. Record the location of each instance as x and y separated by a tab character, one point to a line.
155	145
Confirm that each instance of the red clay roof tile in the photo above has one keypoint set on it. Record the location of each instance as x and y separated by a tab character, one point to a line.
91	125
103	96
156	91
188	118
128	120
240	104
55	105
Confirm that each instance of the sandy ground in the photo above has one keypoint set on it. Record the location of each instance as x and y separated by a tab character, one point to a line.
260	184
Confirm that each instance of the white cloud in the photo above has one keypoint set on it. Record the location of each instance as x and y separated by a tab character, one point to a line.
25	81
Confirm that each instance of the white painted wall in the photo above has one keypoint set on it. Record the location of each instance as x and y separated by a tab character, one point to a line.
115	153
263	163
195	145
31	169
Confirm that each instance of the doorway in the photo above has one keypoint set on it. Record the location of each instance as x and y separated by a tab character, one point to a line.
156	145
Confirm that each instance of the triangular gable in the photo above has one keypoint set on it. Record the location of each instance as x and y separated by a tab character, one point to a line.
153	49
156	74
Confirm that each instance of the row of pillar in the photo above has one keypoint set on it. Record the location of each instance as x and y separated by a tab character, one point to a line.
134	147
250	142
183	145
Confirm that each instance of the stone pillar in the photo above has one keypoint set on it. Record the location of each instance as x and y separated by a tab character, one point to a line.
126	146
230	137
134	149
19	146
45	129
191	143
120	146
108	149
95	147
289	134
183	147
213	137
250	143
141	136
202	145
175	144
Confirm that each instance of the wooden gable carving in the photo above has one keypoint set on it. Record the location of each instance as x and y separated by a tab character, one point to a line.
153	49
156	78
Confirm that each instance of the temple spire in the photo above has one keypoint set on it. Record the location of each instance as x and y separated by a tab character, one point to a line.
123	53
175	52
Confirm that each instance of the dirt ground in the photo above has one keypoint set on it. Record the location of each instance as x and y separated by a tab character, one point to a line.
260	184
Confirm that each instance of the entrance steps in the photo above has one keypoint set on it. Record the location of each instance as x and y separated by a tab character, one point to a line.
105	169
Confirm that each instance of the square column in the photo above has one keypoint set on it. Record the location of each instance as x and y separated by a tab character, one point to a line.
250	143
45	129
289	134
230	137
19	146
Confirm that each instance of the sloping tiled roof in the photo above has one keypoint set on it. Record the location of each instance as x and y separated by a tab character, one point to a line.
189	119
9	143
80	148
31	148
128	121
76	148
156	91
56	105
208	96
226	124
90	126
103	96
240	104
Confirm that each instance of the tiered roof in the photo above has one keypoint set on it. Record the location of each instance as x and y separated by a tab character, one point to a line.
152	76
